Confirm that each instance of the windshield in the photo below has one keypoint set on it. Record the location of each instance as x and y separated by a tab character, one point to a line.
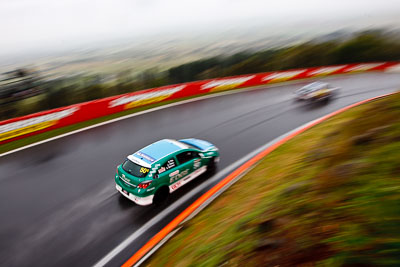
135	169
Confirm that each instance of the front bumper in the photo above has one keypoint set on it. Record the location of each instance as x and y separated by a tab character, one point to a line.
142	201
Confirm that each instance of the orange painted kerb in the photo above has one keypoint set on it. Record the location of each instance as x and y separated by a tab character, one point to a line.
189	210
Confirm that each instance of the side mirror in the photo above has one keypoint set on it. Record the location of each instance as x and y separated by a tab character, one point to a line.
155	176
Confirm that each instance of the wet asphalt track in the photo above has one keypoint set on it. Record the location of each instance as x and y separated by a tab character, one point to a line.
58	203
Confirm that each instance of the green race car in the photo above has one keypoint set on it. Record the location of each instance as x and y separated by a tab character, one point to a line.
150	174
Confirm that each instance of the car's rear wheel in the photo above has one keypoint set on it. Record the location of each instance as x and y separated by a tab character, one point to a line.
161	196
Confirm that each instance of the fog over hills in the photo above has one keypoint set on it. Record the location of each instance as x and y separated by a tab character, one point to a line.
166	50
107	36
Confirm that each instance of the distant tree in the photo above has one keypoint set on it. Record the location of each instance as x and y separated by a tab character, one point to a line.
124	77
257	62
8	111
364	48
188	72
235	59
306	55
57	97
210	73
93	92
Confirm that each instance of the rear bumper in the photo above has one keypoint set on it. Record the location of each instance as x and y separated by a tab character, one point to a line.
142	201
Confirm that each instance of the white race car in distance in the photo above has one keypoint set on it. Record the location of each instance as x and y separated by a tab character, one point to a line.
316	91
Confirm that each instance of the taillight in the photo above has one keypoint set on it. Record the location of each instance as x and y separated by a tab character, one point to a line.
144	184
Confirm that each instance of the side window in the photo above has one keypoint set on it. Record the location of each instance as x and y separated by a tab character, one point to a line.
186	156
167	165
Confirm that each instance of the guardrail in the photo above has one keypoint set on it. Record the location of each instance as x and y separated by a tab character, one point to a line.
21	127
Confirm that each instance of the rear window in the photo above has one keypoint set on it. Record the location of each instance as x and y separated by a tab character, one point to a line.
191	145
135	169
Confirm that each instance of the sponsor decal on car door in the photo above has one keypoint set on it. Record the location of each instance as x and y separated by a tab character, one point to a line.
177	178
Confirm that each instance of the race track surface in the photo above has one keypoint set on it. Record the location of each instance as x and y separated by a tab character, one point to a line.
58	203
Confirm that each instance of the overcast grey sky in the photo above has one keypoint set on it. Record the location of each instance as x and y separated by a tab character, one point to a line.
31	24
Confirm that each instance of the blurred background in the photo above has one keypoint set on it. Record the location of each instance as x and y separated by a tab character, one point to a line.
60	206
57	53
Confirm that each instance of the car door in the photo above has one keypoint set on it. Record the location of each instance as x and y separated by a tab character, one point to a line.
185	168
166	171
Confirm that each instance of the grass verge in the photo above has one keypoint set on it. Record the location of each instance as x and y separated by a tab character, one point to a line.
328	197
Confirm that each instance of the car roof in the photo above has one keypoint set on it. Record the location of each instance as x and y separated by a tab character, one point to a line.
158	150
314	85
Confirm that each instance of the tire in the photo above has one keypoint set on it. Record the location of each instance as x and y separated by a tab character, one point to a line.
161	196
328	99
212	165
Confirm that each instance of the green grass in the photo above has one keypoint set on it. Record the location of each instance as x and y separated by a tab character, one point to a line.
328	197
